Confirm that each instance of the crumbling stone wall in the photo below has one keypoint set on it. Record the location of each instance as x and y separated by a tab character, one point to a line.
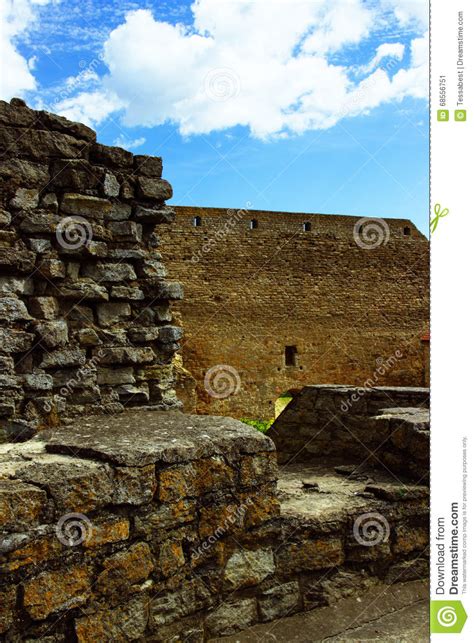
353	312
159	526
386	426
85	321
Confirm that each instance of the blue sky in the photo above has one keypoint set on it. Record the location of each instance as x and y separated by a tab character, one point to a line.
302	106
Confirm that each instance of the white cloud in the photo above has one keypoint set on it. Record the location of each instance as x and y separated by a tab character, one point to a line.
386	50
129	144
16	16
274	66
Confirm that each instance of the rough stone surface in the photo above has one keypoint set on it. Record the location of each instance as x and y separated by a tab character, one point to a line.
79	267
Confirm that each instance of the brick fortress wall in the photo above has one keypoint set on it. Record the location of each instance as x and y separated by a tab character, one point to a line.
85	322
353	304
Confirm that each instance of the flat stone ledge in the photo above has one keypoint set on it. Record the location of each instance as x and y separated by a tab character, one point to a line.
147	437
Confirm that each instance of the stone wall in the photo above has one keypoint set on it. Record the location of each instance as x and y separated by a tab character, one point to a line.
85	322
157	526
384	426
250	293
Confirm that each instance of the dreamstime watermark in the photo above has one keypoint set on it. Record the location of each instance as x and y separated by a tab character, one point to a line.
383	366
73	529
371	233
74	83
371	529
222	381
83	373
222	84
234	216
235	516
73	232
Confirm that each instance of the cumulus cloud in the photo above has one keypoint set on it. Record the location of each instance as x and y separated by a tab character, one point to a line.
278	67
16	16
129	143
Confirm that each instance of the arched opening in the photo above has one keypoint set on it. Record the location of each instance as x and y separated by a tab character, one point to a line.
307	226
197	221
407	231
253	224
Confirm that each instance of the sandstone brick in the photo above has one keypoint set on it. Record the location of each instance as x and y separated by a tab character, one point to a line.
38	144
50	592
409	538
30	174
52	269
171	557
44	307
84	289
119	212
127	355
38	551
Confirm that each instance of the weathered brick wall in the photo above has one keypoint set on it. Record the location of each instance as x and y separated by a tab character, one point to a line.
85	322
348	310
157	526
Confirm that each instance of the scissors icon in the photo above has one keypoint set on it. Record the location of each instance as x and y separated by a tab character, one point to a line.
438	215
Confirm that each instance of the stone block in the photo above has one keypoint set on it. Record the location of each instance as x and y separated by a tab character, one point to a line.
155	288
53	334
85	206
246	568
40	246
143	334
53	591
279	602
110	187
16	285
115	376
192	596
310	555
109	531
76	175
152	268
165	214
110	272
21	504
64	358
13	310
38	382
83	289
119	212
52	269
127	622
125	292
30	174
113	313
110	156
171	557
25	199
151	188
7	607
148	165
127	355
232	617
15	341
125	569
40	144
128	231
258	468
134	485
